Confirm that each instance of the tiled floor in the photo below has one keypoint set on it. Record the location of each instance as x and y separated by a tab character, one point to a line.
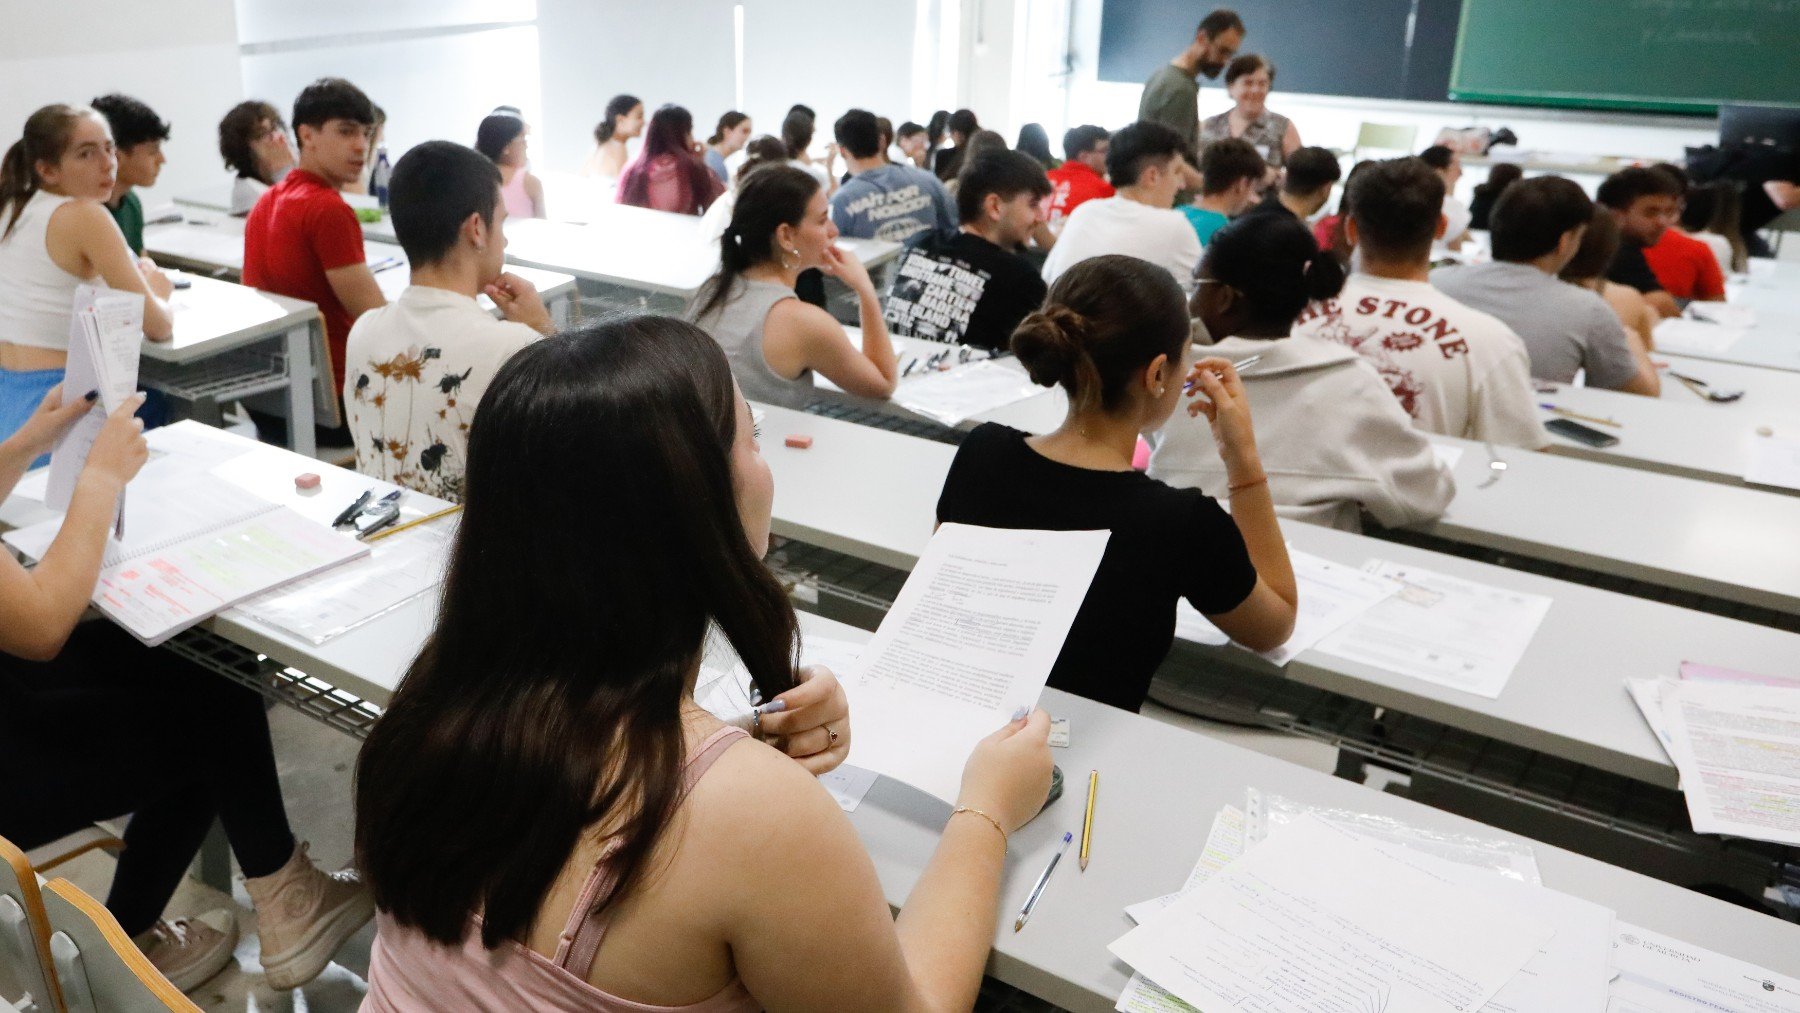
316	765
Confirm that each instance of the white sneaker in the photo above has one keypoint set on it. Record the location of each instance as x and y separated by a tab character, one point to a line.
189	951
303	914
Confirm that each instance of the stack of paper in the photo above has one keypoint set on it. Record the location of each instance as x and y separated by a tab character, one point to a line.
956	395
1658	974
1679	334
106	330
1737	746
1331	595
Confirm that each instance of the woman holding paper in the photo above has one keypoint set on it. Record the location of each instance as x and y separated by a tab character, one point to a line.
1113	333
55	234
93	725
546	817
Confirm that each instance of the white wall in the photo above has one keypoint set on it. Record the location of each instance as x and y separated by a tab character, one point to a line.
186	68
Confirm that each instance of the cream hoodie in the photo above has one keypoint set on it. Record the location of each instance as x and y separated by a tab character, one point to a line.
1333	439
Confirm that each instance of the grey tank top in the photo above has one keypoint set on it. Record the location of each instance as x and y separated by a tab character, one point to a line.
738	328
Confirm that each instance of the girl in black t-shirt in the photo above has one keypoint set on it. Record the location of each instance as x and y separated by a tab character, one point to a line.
1113	334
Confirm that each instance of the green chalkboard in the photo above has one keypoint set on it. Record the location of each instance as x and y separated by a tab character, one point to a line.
1682	56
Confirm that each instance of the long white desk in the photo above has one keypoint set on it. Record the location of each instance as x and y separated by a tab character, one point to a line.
1772	290
1162	786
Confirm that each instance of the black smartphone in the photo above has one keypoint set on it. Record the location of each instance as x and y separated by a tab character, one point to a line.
1569	429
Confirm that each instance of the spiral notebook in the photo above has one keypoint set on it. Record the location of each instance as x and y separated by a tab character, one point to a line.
195	547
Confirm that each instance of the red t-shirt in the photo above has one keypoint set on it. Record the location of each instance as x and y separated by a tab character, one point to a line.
1075	184
1686	267
297	231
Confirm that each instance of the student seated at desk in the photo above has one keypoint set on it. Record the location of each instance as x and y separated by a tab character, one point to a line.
1587	269
1456	370
975	288
1537	228
882	199
1647	203
1082	175
623	120
253	141
959	126
1684	265
1331	231
502	138
762	151
797	130
55	234
668	174
620	847
1233	174
138	136
96	726
1500	176
1448	165
780	227
728	138
914	142
1305	185
1112	335
1146	162
1333	440
1713	215
302	241
418	366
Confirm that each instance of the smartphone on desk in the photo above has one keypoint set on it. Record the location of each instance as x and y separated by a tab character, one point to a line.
1569	429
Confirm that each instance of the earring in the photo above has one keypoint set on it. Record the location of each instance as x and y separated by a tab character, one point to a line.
1159	390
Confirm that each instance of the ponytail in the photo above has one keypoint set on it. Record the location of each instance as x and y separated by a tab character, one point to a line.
46	137
1105	319
621	105
767	199
729	121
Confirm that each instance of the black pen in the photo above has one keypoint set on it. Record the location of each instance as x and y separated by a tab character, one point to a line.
353	509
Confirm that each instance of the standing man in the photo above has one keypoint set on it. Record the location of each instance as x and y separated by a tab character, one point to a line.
1172	94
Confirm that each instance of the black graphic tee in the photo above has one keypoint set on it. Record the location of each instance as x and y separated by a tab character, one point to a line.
961	289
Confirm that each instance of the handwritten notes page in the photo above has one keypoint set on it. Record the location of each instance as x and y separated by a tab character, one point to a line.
970	639
1316	917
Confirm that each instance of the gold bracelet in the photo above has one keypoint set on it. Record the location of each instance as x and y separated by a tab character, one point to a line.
1240	487
1004	840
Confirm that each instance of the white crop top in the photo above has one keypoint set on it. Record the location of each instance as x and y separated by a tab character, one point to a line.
36	296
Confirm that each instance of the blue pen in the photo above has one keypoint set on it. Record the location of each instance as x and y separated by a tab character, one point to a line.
1038	890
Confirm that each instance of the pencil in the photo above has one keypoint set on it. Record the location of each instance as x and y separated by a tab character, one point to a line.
1567	414
1087	822
428	518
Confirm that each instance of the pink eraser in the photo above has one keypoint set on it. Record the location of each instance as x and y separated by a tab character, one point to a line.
306	482
799	442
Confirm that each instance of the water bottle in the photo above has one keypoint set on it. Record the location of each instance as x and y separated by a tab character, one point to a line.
378	180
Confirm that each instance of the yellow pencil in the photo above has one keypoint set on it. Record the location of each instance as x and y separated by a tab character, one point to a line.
1087	822
415	522
1567	414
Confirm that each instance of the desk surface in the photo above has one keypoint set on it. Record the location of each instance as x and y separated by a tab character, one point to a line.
1162	786
1772	289
212	316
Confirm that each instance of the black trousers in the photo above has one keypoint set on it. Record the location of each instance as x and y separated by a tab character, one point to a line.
112	727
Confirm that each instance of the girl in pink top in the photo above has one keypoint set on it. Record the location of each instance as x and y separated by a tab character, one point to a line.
668	174
501	137
546	818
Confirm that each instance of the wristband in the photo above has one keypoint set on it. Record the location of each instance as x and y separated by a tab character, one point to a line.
1004	840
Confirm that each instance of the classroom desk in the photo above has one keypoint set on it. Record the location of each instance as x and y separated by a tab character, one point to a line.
213	320
1162	785
1772	289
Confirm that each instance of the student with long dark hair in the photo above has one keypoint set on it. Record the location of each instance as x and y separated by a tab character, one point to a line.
55	234
961	125
1113	334
780	227
797	130
547	819
1500	176
502	138
668	174
623	120
1333	440
728	138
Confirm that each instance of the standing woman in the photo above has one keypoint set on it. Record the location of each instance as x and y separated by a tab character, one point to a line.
668	174
1249	79
780	227
253	141
1113	334
623	120
729	137
501	137
55	234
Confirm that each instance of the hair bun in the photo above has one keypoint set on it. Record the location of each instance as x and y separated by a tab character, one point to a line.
1049	343
1323	276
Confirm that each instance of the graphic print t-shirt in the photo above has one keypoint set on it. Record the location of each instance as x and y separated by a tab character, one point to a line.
893	202
962	289
1457	371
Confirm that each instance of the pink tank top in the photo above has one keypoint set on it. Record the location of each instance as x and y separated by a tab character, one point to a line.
518	202
408	972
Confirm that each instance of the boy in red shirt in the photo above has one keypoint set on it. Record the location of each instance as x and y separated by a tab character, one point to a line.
1083	176
301	240
1685	266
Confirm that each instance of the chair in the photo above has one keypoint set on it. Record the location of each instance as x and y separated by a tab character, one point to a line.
1784	223
1384	137
27	981
97	966
89	838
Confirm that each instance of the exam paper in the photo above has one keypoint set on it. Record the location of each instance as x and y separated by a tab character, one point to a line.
1679	334
956	395
1727	314
1331	595
1647	694
105	330
342	598
1738	749
1659	974
969	640
1316	917
1224	843
1774	461
1442	629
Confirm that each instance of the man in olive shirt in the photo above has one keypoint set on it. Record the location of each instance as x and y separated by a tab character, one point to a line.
1172	94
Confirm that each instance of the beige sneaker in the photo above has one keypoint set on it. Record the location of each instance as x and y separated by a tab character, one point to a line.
303	914
188	951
